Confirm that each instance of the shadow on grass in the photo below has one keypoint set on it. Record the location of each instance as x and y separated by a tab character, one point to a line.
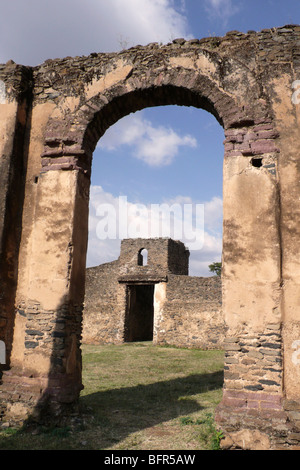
111	416
120	412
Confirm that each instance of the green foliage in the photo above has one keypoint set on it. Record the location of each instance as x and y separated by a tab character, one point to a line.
9	431
185	420
207	430
56	431
216	268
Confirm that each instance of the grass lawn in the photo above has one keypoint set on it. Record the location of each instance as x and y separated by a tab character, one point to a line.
138	396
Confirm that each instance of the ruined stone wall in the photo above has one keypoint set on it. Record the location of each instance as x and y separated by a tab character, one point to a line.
51	118
190	315
189	312
101	320
164	256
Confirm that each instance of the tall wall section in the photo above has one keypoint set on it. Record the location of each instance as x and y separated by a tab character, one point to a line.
102	321
15	102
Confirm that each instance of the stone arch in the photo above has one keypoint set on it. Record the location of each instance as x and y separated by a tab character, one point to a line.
75	118
70	139
76	135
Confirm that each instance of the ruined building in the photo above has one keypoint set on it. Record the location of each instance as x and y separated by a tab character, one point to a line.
147	295
51	119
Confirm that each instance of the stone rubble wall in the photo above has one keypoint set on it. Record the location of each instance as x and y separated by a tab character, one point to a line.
165	255
100	316
191	315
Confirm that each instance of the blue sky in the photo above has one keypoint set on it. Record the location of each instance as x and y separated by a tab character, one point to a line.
158	155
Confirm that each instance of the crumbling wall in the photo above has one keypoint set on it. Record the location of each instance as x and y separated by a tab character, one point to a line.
165	255
190	314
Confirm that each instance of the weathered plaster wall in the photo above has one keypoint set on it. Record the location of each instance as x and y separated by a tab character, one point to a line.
15	99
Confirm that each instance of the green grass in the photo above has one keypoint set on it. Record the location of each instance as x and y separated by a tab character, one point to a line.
138	396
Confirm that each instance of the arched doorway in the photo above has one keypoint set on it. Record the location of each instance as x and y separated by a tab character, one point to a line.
160	198
55	247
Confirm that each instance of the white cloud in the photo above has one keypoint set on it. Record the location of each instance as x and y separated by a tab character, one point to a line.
112	218
32	31
156	146
221	9
214	214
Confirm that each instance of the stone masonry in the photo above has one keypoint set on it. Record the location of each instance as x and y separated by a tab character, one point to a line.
188	315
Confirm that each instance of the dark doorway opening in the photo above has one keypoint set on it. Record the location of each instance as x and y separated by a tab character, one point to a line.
139	313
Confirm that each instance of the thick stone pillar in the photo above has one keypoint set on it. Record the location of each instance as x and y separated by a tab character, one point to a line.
46	354
251	412
15	97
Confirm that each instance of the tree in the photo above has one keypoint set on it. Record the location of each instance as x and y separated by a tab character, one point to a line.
216	268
